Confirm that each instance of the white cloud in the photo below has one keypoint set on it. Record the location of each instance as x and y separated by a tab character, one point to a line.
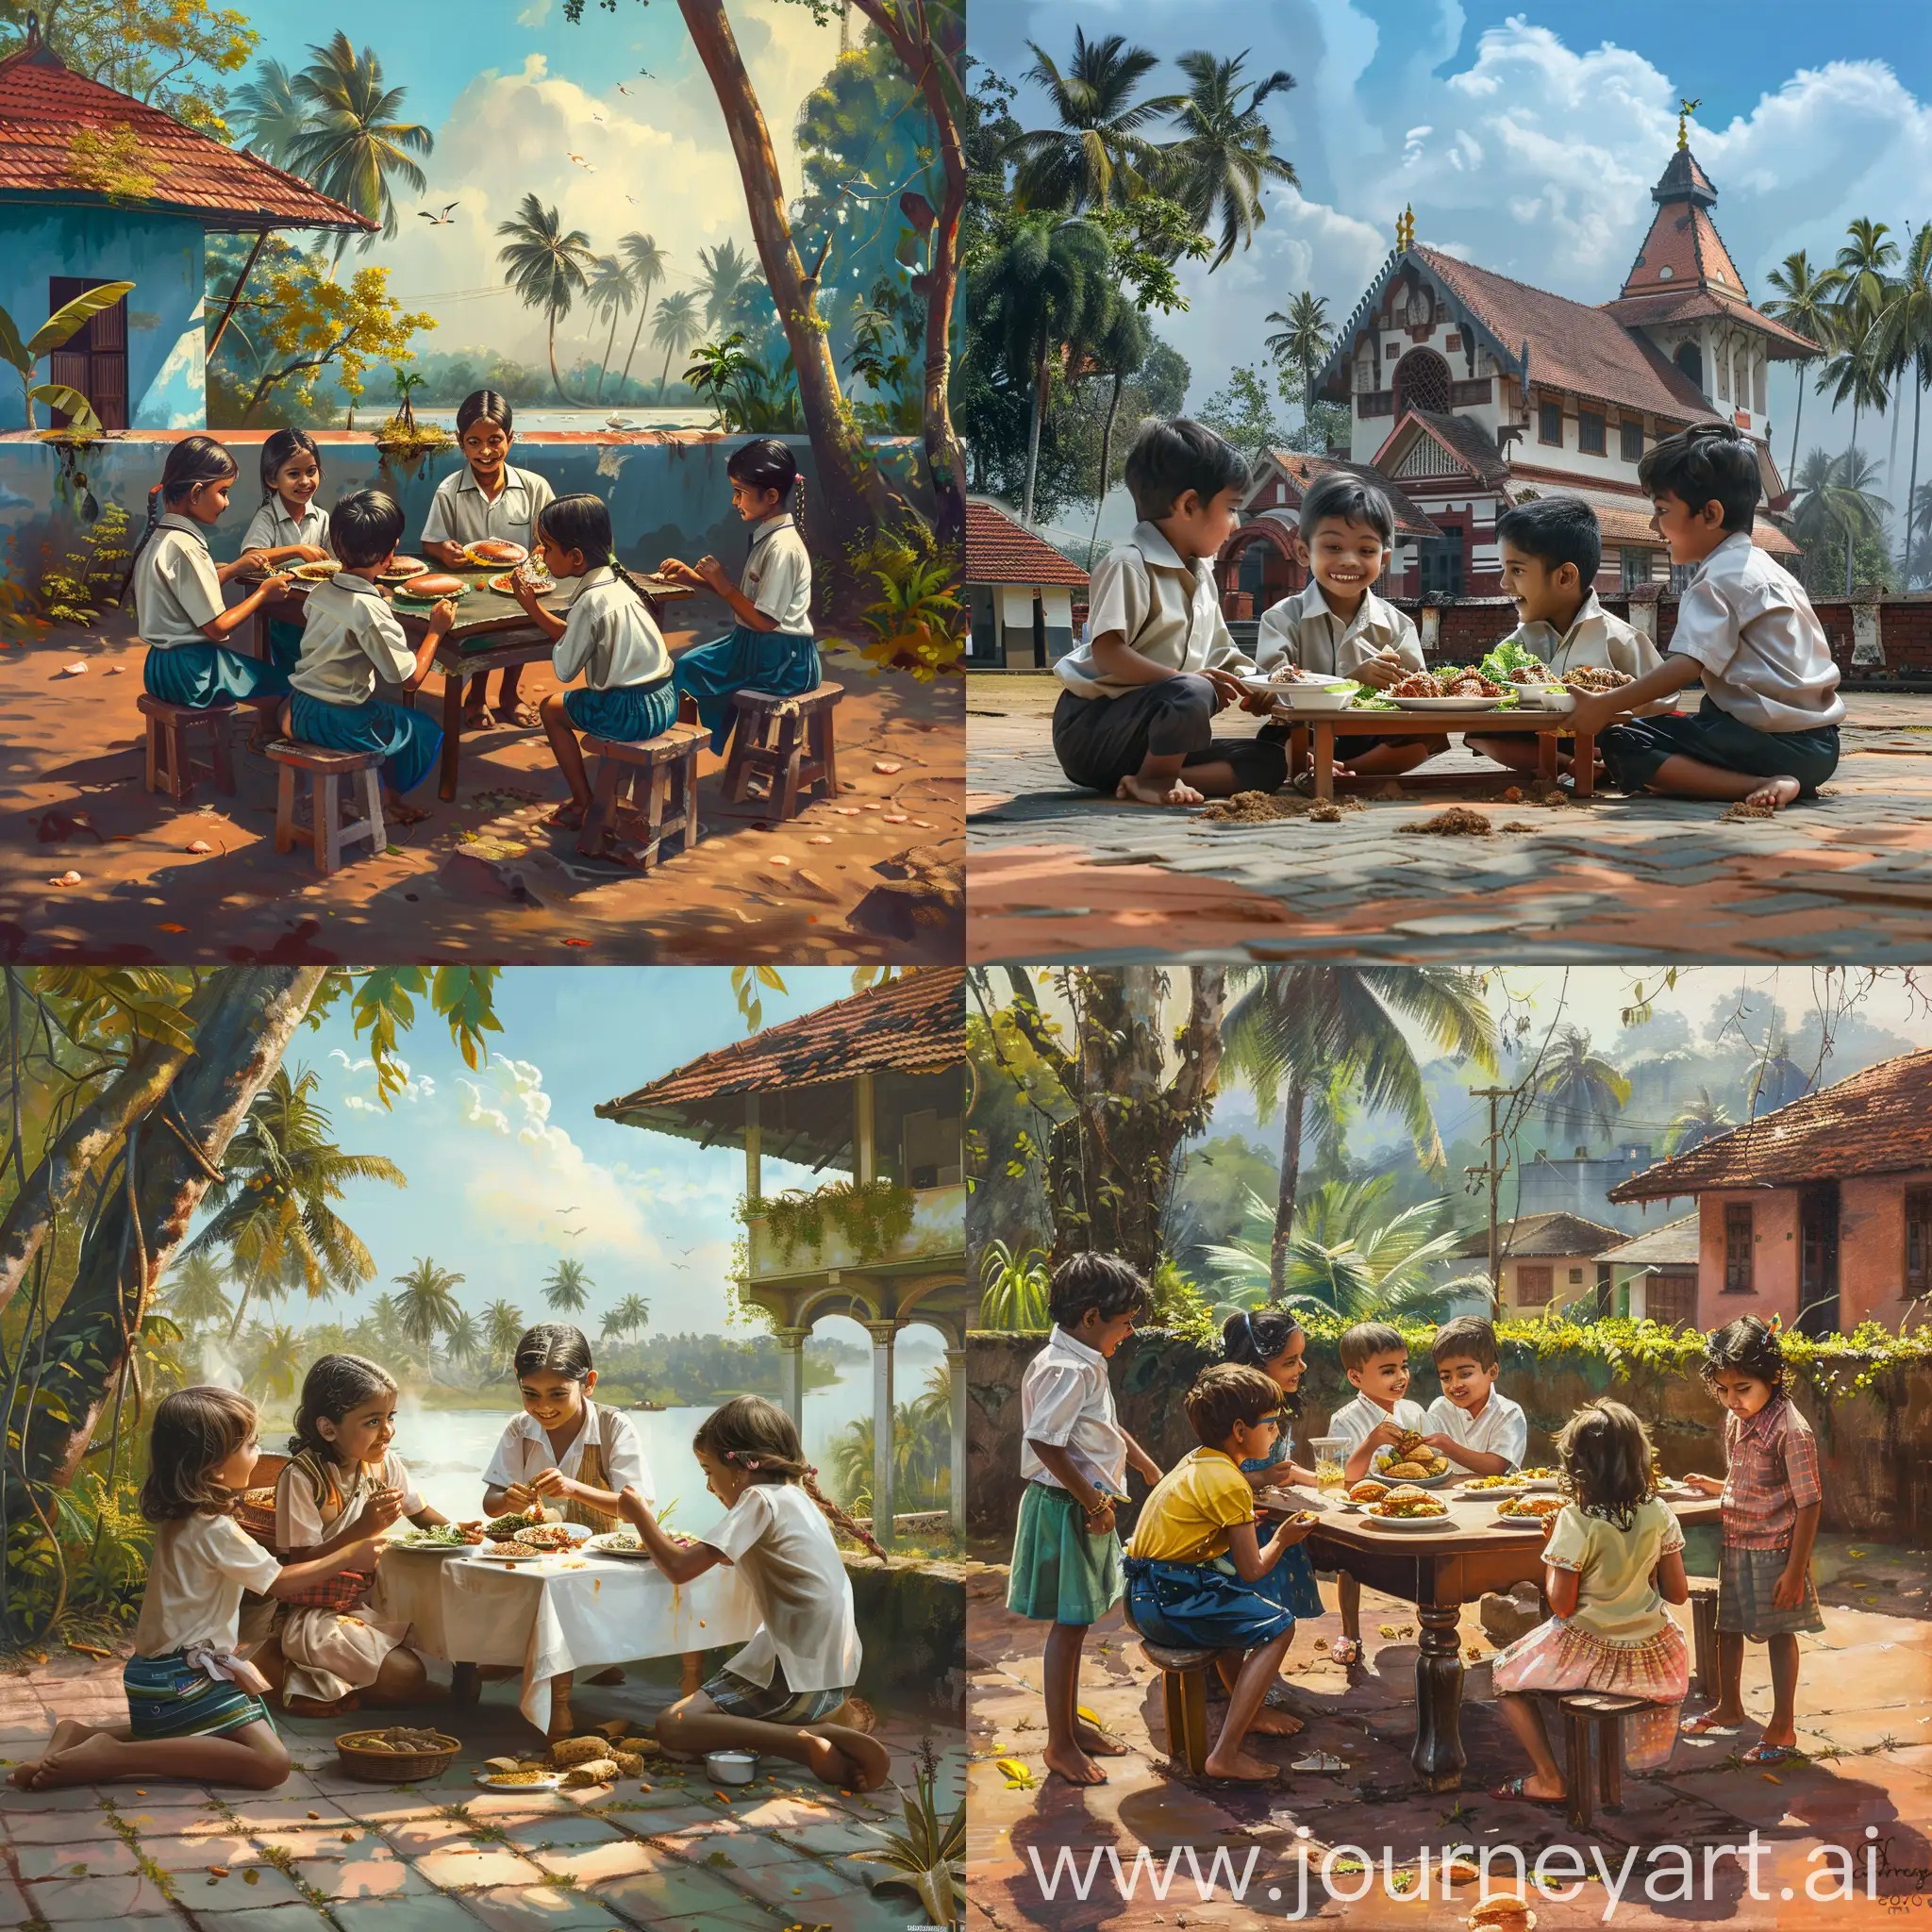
364	1095
534	14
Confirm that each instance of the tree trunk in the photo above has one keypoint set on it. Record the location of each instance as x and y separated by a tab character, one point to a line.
1042	383
664	374
246	1023
1113	403
604	367
637	336
1797	417
1851	534
851	490
556	380
1293	1112
1905	574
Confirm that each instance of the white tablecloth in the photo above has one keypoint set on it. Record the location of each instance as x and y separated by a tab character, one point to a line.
547	1620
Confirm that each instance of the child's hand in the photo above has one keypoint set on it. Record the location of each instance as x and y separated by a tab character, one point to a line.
382	1509
274	585
472	1530
1789	1591
632	1507
520	1496
1593	716
1100	1522
311	553
1383	1432
1288	1533
1442	1445
678	572
250	561
363	1552
1228	688
1708	1485
1379	673
553	1482
442	618
710	571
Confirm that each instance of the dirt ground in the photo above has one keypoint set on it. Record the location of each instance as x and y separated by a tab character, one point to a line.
871	877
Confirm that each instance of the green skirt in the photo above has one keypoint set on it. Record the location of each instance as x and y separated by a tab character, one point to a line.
1060	1573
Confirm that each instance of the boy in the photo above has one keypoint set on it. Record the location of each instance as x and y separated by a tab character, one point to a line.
349	637
1337	626
1195	1559
1074	1457
1473	1422
1137	717
1375	1359
1767	731
1551	548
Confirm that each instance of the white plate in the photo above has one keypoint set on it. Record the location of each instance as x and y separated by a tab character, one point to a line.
1307	697
549	1782
1445	704
1524	1522
432	1549
578	1532
1420	1482
1409	1524
601	1545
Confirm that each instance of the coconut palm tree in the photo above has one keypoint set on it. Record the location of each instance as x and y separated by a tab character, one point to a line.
1302	341
1700	1119
1908	341
1225	150
1857	370
727	273
1580	1090
629	1317
270	114
463	1338
193	1293
647	262
353	146
610	293
1295	1030
1805	303
1118	352
1834	502
568	1288
1096	155
676	331
502	1329
427	1303
276	1358
547	267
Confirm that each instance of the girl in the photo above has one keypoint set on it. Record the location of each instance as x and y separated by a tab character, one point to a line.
772	648
611	636
289	524
776	1694
1612	1558
195	1709
1772	1503
491	499
178	588
346	1482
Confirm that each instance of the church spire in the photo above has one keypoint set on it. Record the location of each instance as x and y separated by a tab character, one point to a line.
1685	111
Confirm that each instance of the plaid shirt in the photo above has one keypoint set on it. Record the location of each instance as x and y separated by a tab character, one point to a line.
1772	1473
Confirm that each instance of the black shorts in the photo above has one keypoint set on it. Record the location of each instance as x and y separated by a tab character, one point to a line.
1101	740
1636	749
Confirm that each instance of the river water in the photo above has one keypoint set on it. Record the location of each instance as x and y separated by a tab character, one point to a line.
535	418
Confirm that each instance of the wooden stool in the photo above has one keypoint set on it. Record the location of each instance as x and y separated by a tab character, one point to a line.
1593	1735
326	769
787	741
1704	1636
171	764
1184	1694
659	776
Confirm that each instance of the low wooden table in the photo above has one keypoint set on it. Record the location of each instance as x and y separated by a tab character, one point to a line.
1439	1570
1320	728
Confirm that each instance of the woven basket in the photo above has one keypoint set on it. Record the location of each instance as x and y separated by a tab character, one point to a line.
394	1767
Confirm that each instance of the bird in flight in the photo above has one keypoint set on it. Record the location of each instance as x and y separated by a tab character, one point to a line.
583	164
645	74
621	88
440	221
632	199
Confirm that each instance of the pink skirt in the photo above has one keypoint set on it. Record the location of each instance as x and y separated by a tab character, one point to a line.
1557	1656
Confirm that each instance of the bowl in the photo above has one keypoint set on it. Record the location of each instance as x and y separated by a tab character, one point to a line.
731	1766
410	1754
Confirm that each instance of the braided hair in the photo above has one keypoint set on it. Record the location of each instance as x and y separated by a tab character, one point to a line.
766	464
582	523
192	463
334	1385
760	1437
277	449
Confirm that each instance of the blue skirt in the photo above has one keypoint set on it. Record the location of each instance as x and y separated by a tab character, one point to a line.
205	676
1196	1605
1292	1581
785	663
167	1699
628	713
408	740
284	644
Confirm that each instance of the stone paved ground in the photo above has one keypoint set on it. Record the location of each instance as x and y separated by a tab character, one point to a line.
1055	874
325	1852
1864	1715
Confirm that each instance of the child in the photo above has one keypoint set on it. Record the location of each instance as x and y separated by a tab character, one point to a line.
490	500
772	648
1772	1503
1196	1568
1337	626
610	637
349	637
289	524
1375	1359
195	1709
1473	1422
1073	1457
344	1482
178	588
1767	730
1137	717
1551	548
777	1695
1614	1555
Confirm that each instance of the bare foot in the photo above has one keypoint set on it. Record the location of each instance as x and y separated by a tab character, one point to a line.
1096	1742
1074	1766
1544	1790
1135	790
1274	1723
475	718
568	817
867	1763
561	1721
398	813
1717	1720
1238	1764
1775	792
68	1732
524	715
93	1760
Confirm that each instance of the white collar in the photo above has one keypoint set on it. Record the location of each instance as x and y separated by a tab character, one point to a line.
1737	546
284	514
1314	604
180	520
769	527
1073	1345
357	587
594	580
512	480
1151	541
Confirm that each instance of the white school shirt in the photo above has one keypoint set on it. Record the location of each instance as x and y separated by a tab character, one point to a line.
1598	640
778	574
782	1546
524	1451
1502	1429
299	1522
610	637
1353	1420
1067	1400
349	636
1169	612
273	529
195	1577
460	513
1748	622
1303	631
176	591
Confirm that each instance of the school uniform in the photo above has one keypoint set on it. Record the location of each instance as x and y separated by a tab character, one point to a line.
1353	1420
1771	704
1596	640
1292	1582
184	1679
784	660
273	529
460	513
1169	612
1502	1429
350	637
1302	630
604	1453
610	640
176	594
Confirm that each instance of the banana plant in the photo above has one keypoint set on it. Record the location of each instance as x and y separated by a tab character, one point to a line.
65	322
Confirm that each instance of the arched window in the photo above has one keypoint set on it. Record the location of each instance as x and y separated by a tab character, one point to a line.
1423	382
1691	360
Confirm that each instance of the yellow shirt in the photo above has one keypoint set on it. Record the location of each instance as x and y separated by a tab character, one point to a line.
1187	1518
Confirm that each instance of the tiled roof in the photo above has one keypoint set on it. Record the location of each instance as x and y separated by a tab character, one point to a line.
42	104
1877	1122
1672	1245
1536	1236
1662	306
1000	551
1683	249
1302	469
1624	519
1463	437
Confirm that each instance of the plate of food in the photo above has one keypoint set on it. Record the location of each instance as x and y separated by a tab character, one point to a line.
1672	1490
1407	1508
442	1539
499	1552
318	572
508	1523
1457	689
618	1543
1528	1512
1479	1487
520	1780
1411	1460
505	583
1540	1478
1594	680
551	1537
430	587
402	570
494	553
1293	690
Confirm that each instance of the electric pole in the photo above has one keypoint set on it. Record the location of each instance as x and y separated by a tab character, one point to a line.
1491	1171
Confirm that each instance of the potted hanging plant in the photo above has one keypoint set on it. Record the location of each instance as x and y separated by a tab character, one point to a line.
402	437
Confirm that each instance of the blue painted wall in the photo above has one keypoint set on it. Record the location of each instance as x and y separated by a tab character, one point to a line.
161	254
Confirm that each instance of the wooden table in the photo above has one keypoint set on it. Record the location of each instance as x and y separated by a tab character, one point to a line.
1438	1572
1319	728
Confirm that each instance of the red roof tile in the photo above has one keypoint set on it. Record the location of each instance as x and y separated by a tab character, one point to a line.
1538	1235
1666	305
1877	1122
1462	437
1301	469
1624	517
1001	551
44	104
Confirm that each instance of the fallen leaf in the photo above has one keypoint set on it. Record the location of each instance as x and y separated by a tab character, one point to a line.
1855	1553
884	765
251	1876
114	671
170	929
78	668
201	846
576	943
820	839
348	1838
94	1650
